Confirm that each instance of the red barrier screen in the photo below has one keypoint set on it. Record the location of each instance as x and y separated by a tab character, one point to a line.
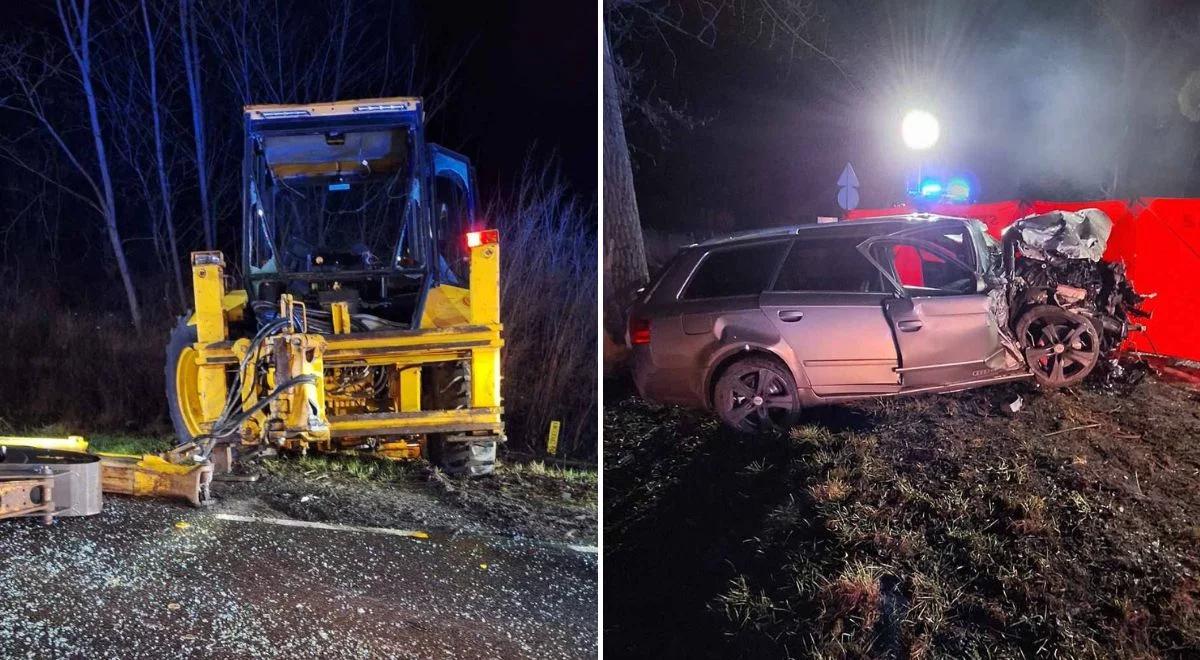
1166	261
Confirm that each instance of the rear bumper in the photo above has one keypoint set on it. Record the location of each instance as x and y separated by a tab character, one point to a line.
665	384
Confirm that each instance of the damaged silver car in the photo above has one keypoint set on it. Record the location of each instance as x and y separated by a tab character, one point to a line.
761	325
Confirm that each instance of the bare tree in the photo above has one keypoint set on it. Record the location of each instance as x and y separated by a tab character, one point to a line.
191	66
164	180
76	24
784	25
75	18
624	248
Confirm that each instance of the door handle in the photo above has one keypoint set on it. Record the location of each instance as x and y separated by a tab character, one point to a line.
790	315
909	326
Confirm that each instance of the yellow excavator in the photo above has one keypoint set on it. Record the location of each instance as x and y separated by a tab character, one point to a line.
364	313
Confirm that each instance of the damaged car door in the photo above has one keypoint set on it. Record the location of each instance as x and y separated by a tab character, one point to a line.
825	303
941	317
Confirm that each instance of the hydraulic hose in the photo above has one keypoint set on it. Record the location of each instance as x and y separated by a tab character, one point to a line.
229	425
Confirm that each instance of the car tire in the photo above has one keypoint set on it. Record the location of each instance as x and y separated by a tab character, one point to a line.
757	395
1061	348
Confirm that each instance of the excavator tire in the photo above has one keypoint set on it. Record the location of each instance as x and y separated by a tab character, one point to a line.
183	397
447	386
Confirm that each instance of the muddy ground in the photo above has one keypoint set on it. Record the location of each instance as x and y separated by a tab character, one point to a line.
936	526
519	501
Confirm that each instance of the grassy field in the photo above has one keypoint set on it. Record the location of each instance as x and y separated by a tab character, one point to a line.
939	526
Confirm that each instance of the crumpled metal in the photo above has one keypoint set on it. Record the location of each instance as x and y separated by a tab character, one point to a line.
1072	234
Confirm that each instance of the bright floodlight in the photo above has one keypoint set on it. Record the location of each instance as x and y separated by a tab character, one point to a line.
919	129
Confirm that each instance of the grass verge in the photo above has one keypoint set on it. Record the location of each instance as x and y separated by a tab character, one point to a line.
937	526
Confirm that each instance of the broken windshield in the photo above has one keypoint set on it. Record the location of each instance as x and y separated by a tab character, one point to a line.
334	201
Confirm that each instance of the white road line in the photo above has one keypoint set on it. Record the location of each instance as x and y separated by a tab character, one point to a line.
287	522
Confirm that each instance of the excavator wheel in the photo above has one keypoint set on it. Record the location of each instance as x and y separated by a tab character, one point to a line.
182	377
447	386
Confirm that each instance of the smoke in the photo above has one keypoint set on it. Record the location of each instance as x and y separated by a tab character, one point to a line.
1062	116
1078	99
1189	96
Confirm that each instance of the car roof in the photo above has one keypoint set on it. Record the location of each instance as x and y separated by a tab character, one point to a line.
852	227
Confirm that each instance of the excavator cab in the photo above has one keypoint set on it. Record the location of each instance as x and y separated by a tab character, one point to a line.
353	207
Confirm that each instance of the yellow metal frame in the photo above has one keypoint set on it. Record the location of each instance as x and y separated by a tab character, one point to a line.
69	443
464	326
146	475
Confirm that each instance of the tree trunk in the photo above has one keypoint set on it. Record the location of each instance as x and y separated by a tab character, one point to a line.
83	57
164	184
624	251
341	51
191	66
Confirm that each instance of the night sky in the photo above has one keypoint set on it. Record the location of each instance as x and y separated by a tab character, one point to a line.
1027	94
529	83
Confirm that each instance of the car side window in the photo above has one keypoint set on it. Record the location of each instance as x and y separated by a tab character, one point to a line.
735	271
828	264
923	272
955	239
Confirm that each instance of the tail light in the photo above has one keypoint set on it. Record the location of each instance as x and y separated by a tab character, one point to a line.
487	237
639	331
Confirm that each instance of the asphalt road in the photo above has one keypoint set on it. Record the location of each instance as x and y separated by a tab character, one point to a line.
131	583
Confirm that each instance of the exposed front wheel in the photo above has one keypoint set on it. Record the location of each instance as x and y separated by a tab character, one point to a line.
1061	347
757	395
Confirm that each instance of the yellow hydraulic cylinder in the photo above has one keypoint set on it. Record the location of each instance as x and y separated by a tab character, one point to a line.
69	443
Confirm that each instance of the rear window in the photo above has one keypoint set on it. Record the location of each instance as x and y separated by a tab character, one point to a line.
735	271
828	264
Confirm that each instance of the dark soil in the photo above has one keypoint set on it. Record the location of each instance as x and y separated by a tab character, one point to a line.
518	501
935	526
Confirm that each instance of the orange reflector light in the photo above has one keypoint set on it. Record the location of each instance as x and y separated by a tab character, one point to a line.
477	238
639	331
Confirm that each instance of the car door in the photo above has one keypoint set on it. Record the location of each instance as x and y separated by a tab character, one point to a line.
942	319
826	304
